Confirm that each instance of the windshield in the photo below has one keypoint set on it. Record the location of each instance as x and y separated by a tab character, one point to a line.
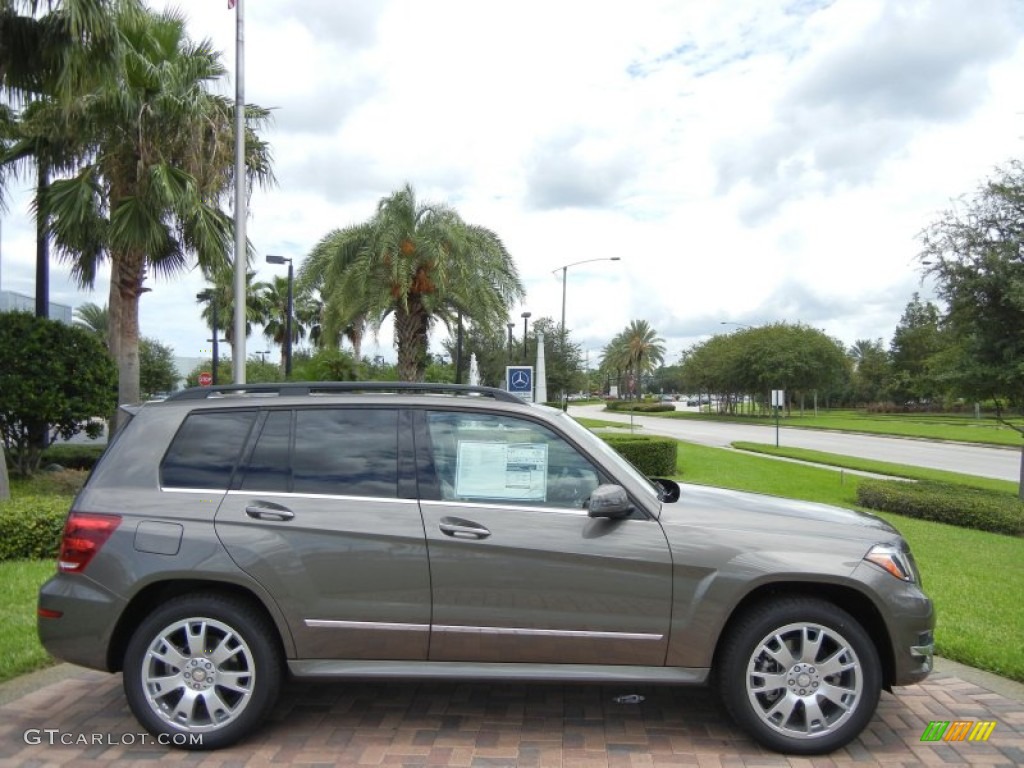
597	445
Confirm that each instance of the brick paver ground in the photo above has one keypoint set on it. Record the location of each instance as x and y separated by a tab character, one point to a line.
459	724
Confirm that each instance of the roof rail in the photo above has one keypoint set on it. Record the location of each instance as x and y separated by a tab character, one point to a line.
301	388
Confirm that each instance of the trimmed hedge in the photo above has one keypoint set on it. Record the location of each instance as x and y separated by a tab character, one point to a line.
68	455
31	527
654	456
638	407
976	508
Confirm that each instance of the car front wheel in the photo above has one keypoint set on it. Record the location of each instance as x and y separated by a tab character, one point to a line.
800	675
202	671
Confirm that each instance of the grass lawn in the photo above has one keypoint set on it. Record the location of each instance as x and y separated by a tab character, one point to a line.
20	651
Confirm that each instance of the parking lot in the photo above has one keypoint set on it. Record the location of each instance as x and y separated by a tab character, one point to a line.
72	716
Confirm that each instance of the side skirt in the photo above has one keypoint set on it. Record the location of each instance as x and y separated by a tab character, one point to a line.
465	670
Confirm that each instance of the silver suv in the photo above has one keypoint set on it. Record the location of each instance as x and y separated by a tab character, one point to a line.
231	535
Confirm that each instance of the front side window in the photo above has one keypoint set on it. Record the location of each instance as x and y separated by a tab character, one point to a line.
205	452
502	459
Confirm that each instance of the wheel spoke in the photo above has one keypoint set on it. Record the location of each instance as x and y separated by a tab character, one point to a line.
781	653
810	648
197	638
233	681
168	655
165	683
783	707
217	708
224	650
815	718
184	710
838	695
837	663
767	683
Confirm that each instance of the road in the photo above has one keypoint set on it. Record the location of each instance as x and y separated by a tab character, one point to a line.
998	463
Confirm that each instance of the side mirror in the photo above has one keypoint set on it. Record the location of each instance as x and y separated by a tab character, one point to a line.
609	501
669	489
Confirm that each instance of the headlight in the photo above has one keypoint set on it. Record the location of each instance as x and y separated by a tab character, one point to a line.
897	561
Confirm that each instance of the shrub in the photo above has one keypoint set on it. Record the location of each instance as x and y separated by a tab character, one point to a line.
654	456
638	407
976	508
31	527
72	456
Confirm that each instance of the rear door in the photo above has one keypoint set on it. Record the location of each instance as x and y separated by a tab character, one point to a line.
323	514
520	572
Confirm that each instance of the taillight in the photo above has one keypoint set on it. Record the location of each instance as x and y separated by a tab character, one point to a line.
84	534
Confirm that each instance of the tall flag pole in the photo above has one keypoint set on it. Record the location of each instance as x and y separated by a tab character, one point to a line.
241	253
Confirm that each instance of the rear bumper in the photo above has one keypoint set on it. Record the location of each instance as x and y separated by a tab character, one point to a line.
87	612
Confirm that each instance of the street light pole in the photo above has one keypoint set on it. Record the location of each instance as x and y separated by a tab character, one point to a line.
565	274
288	320
526	318
210	296
565	279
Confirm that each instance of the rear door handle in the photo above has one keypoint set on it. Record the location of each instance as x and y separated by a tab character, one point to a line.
462	529
268	510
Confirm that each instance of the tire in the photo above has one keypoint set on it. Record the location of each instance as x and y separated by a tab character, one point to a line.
800	675
202	671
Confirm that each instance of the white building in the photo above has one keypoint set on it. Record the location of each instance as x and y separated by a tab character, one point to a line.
19	302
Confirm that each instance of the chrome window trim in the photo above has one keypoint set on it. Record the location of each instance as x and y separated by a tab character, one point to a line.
287	495
509	507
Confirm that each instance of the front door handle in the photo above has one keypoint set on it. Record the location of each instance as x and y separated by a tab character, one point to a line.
462	529
268	510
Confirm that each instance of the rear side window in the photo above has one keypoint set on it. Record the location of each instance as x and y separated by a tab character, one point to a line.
346	452
206	450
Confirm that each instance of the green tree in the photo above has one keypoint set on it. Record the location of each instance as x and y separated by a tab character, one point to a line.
221	291
872	371
157	372
160	159
44	58
916	342
275	303
50	374
418	262
637	351
975	252
94	318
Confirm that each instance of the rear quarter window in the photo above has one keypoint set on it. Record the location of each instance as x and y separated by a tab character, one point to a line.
206	450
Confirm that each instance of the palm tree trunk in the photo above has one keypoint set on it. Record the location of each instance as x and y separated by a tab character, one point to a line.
411	339
130	273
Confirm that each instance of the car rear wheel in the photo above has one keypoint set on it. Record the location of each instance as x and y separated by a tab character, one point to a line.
800	675
202	671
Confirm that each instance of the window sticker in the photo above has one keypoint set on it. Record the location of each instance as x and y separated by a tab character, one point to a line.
511	471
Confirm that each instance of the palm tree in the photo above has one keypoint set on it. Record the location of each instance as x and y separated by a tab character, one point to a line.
419	262
94	318
43	59
637	350
222	292
275	299
161	156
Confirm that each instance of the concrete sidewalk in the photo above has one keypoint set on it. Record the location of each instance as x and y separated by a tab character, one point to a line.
71	716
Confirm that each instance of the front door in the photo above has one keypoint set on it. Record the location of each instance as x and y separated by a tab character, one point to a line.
520	573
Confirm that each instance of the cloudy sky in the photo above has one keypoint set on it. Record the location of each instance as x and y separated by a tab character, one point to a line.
749	161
